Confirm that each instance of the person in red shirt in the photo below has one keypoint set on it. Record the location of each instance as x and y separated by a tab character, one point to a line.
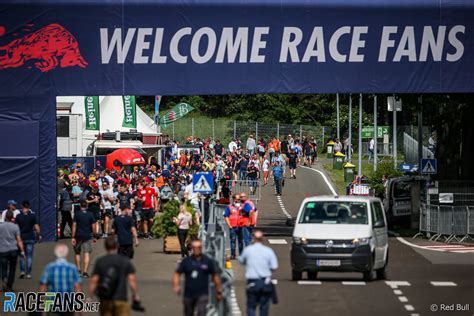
147	196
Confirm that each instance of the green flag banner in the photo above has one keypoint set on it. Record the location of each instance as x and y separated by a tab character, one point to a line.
129	111
92	111
177	112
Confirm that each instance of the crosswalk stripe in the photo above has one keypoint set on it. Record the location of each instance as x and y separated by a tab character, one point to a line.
309	282
409	308
353	283
396	284
442	283
277	241
397	292
403	299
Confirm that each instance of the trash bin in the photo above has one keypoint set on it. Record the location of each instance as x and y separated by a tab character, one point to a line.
338	161
330	149
349	172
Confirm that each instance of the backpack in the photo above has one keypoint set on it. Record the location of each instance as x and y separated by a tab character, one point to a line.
108	284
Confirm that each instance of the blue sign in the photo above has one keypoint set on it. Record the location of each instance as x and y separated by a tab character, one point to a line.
406	167
429	166
203	182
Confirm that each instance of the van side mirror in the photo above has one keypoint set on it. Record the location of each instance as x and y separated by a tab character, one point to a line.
290	222
379	224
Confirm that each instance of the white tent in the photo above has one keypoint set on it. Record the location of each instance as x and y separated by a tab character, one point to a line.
111	115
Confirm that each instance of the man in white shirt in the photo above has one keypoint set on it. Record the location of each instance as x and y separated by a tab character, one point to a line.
232	146
371	149
11	205
251	144
192	196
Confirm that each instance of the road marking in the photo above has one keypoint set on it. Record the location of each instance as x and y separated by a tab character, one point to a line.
409	308
414	314
396	284
403	299
274	281
282	207
277	241
439	248
353	283
442	283
235	309
397	292
325	179
309	282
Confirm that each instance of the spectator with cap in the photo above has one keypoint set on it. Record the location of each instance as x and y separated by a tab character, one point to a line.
259	261
60	276
30	232
11	206
10	242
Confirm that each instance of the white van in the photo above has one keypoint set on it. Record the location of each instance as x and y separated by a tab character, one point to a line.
340	233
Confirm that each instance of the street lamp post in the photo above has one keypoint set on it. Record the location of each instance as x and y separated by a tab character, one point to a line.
375	133
360	136
349	149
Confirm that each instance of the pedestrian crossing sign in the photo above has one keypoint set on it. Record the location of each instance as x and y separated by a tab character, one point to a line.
429	166
203	183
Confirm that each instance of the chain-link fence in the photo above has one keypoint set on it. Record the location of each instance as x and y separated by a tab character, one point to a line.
225	130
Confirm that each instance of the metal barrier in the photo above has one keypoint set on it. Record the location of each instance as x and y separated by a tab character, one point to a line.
446	223
215	238
251	188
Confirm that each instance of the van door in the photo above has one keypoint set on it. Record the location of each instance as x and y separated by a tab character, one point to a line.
380	234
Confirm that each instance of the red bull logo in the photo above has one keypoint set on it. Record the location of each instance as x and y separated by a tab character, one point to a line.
49	47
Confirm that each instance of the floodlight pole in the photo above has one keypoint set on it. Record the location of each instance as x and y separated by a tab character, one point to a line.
360	136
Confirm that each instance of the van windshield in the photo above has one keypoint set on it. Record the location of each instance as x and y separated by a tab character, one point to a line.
334	213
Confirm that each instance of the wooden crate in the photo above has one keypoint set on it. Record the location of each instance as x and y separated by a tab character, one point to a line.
171	245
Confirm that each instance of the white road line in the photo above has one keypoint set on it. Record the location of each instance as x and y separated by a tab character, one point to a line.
353	283
277	241
397	292
309	282
414	314
444	246
396	284
324	178
403	299
275	281
439	249
235	306
409	308
442	283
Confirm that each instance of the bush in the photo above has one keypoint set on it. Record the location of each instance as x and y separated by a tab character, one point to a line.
163	224
375	179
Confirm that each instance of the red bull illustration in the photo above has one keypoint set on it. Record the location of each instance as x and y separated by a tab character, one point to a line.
50	47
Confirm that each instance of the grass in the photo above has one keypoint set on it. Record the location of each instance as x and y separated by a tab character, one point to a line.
337	176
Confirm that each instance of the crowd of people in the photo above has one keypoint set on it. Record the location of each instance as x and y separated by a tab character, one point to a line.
124	203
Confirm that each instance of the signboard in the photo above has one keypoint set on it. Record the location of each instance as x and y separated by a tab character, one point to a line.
446	198
360	189
203	182
429	166
368	131
406	167
394	102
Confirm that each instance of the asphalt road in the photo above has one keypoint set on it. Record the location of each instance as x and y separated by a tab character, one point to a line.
408	290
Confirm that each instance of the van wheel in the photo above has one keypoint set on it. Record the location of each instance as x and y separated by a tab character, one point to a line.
369	274
312	275
296	275
382	272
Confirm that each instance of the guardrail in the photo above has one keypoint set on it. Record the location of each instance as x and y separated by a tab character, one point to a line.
215	238
446	223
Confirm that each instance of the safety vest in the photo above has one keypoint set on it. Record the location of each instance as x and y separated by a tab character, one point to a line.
250	219
234	216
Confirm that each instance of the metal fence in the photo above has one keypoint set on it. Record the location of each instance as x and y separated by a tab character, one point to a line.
251	188
225	130
446	223
215	240
410	148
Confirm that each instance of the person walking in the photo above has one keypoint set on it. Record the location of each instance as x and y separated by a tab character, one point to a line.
233	220
82	235
10	242
184	220
259	261
60	276
11	206
112	272
292	163
30	232
126	232
66	207
265	169
277	172
108	201
251	145
197	269
248	217
371	149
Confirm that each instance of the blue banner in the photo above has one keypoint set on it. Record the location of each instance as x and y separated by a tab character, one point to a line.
211	47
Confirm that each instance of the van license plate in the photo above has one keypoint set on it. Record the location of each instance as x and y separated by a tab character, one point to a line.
328	263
